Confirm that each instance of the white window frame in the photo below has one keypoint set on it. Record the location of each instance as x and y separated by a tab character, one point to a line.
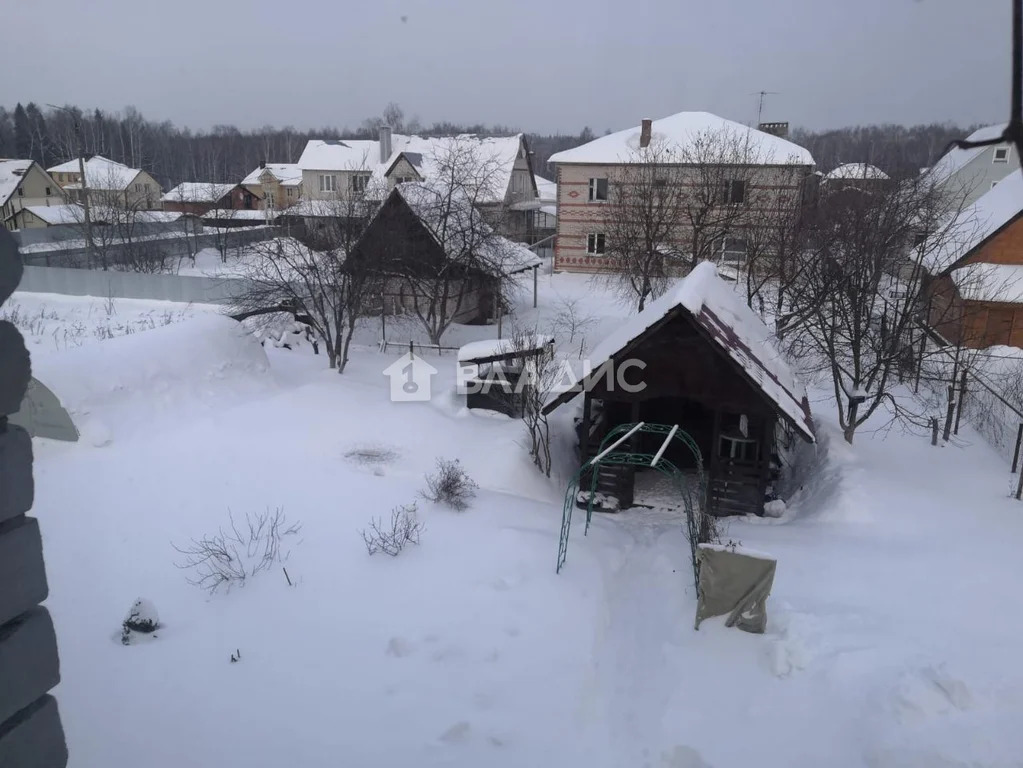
595	189
1005	157
328	182
593	240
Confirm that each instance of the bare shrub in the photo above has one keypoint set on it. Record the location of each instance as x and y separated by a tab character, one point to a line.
371	455
450	485
404	528
236	553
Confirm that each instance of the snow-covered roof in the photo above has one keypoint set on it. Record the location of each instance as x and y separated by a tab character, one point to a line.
197	192
11	174
546	189
287	174
990	282
724	316
57	214
491	157
329	209
956	158
343	154
858	171
158	216
482	351
975	224
678	133
458	227
221	214
100	172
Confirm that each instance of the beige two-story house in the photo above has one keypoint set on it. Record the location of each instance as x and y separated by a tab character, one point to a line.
759	173
23	183
276	185
110	184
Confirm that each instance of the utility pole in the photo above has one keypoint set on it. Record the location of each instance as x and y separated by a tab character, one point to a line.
80	149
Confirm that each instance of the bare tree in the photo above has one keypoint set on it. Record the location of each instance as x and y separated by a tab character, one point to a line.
319	284
860	293
474	258
643	217
539	377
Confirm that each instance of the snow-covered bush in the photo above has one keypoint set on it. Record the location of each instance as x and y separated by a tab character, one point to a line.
235	554
404	529
450	485
142	617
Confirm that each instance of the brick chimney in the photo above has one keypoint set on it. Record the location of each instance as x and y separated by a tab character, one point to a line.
644	132
385	143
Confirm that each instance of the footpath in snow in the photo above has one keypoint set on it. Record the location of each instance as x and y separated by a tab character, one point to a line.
892	640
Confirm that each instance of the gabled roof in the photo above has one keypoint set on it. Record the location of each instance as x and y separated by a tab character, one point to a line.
459	228
198	192
546	190
956	159
11	174
343	154
724	318
287	174
56	214
101	173
679	132
975	224
858	171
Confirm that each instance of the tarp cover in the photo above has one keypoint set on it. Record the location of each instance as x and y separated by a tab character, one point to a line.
42	415
735	582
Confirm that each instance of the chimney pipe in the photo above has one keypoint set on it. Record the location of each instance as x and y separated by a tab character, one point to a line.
262	163
385	143
644	133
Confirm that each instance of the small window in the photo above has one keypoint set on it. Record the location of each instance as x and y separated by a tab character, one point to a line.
1001	155
21	192
328	182
595	243
47	191
598	190
733	192
291	191
359	182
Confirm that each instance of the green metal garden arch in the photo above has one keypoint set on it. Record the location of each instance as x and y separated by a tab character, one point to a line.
692	498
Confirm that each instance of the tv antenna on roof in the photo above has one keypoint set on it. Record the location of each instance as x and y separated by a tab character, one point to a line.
760	108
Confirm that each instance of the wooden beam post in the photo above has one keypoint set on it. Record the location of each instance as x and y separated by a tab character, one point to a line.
584	438
959	405
1015	454
934	430
535	271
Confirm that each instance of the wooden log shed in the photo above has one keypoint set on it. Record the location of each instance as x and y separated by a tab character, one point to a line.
701	358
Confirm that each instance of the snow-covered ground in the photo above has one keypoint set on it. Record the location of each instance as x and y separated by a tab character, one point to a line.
892	638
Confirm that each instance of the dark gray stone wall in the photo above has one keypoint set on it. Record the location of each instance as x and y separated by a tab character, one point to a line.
31	735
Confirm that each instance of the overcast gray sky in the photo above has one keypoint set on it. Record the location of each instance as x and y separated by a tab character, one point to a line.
543	65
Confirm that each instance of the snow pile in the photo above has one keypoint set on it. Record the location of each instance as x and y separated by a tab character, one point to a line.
477	350
1002	283
195	365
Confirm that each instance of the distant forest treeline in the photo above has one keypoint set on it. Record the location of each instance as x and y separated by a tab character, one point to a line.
225	153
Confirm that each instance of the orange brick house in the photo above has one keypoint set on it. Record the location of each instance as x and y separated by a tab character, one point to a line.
975	291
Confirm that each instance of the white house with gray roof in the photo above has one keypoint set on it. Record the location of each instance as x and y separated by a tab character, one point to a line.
499	168
974	172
